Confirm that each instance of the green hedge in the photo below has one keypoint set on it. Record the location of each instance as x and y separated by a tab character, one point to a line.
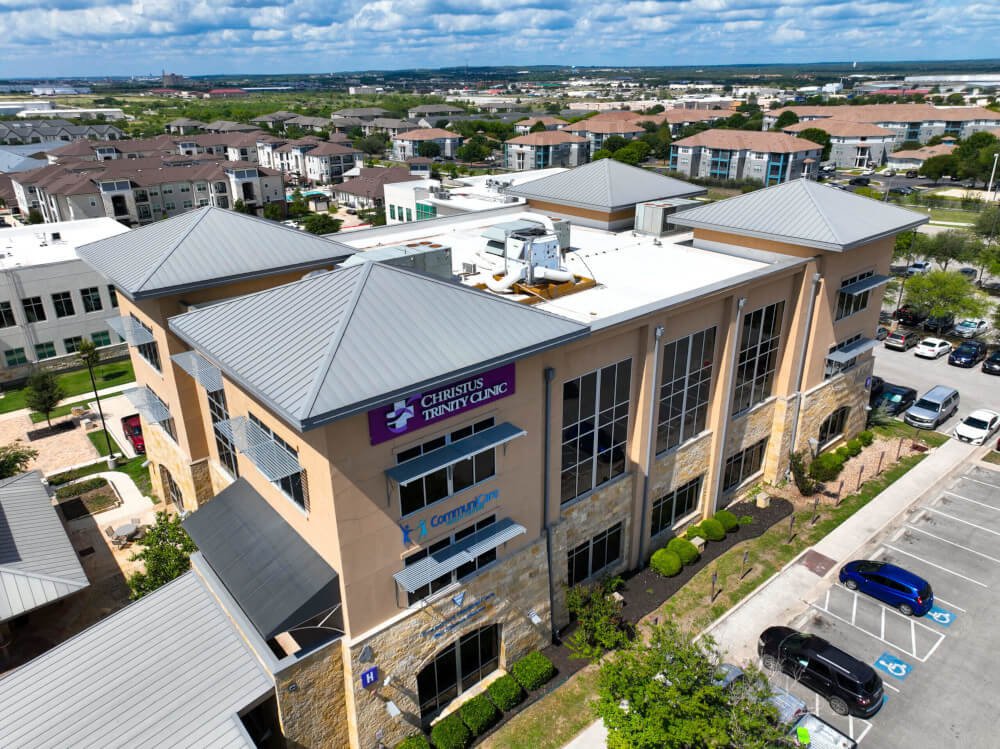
533	670
665	562
826	467
683	548
75	490
479	714
843	452
693	531
505	692
714	530
854	447
728	520
414	742
451	733
866	438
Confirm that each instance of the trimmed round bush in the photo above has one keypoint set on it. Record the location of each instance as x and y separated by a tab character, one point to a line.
714	530
746	520
866	438
505	692
451	733
532	670
684	549
665	562
728	520
854	447
414	742
826	467
694	530
479	714
843	452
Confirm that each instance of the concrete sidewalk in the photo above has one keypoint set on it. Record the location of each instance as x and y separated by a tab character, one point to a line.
101	393
787	594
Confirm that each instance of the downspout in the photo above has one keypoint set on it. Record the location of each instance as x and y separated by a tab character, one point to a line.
549	374
657	335
727	402
817	277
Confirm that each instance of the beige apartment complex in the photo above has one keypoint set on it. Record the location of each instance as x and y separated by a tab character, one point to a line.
394	469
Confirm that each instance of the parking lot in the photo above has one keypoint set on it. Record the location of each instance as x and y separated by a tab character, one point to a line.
977	389
940	671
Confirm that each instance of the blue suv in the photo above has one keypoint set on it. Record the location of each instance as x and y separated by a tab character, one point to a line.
893	585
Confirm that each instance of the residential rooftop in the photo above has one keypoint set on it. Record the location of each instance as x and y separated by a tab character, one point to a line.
41	244
748	140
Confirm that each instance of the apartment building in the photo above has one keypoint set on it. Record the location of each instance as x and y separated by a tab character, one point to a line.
434	111
310	158
768	158
367	190
424	466
51	300
274	119
852	144
360	113
544	149
14	133
919	122
549	123
915	158
139	191
598	129
405	145
678	119
184	126
391	127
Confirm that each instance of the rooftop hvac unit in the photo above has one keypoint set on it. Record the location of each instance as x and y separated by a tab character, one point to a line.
651	218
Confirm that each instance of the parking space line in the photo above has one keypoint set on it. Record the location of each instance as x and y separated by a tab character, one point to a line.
960	546
973	501
938	566
949	603
959	520
913	636
887	685
912	654
882	636
934	647
984	483
868	727
854	609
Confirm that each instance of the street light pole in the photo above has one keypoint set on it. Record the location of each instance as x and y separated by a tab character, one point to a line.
993	174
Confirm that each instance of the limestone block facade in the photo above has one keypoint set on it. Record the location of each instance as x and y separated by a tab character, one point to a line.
846	389
311	694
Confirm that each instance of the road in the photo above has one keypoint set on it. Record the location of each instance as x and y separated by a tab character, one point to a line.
977	390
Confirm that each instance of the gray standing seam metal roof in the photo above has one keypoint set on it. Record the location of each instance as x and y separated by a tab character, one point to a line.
343	342
275	576
805	213
169	670
606	185
205	247
38	564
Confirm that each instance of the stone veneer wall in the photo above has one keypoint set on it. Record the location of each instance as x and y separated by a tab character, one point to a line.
201	477
519	584
164	452
847	389
674	469
314	715
581	521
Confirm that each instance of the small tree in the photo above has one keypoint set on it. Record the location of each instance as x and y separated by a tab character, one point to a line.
806	486
297	206
240	207
43	393
321	223
35	216
428	149
819	137
14	458
538	127
166	552
273	211
937	166
953	245
786	118
940	293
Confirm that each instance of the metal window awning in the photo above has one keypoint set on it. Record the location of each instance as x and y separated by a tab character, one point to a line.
849	352
452	557
273	460
129	329
201	369
419	467
151	408
865	284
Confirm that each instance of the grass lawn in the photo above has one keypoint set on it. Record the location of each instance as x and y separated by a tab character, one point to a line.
77	383
57	411
898	429
99	439
992	457
554	719
949	215
133	468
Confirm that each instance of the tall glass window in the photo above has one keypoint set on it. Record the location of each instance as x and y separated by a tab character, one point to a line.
685	386
218	411
149	351
294	487
848	304
676	505
833	426
743	465
456	668
597	554
758	357
595	428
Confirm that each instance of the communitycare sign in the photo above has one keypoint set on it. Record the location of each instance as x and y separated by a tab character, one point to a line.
422	409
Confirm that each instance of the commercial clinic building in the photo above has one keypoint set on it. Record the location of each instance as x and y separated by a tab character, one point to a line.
392	478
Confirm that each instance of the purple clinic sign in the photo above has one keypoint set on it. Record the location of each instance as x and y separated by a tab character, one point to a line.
422	409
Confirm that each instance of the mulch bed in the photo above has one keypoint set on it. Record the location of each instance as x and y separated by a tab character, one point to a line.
96	500
49	431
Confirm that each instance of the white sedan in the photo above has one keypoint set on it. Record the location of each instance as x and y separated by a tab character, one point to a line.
971	328
978	426
932	348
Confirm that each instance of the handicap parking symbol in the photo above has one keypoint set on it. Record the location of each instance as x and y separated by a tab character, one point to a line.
893	666
940	616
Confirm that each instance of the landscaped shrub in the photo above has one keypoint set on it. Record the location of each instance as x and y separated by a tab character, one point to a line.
451	733
728	520
854	447
693	531
746	520
602	626
75	490
479	714
683	548
532	671
826	467
414	742
866	438
505	692
714	530
806	486
665	562
843	452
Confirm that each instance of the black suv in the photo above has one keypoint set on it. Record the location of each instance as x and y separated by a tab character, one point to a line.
908	315
940	324
863	181
850	686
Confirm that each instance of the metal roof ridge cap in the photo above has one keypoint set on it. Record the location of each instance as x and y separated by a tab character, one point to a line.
172	249
332	347
812	198
42	576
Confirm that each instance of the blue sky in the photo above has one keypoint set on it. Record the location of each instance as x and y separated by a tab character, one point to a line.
101	37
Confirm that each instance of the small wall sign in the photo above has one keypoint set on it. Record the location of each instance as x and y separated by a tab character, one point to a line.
369	677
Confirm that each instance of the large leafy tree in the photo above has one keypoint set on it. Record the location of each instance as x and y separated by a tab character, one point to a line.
942	293
661	693
166	552
321	223
954	245
819	137
43	393
786	118
937	166
14	459
428	149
